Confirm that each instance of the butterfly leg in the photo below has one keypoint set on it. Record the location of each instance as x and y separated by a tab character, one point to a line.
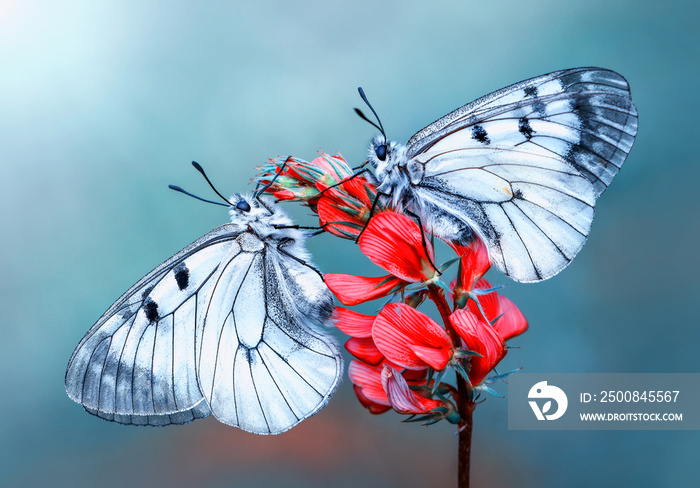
300	261
318	230
298	227
360	166
272	181
371	213
423	239
343	181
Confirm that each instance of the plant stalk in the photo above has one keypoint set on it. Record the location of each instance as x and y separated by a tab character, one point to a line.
465	405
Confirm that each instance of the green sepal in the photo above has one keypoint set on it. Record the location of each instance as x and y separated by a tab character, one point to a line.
418	419
438	379
447	264
462	372
489	390
461	353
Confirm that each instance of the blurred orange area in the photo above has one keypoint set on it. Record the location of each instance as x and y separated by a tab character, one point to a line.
353	445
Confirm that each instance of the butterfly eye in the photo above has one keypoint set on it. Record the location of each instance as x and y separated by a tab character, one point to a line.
380	151
243	205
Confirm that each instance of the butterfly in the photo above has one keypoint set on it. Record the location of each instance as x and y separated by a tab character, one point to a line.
521	168
227	326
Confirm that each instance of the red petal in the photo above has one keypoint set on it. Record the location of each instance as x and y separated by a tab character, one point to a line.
402	398
351	290
475	262
364	350
413	376
489	302
284	195
335	166
374	408
336	221
368	379
394	242
398	329
435	358
344	209
512	322
352	323
479	337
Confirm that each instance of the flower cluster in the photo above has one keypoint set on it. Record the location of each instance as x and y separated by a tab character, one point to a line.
401	355
328	186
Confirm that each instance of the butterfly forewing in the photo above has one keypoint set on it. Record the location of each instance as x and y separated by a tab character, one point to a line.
584	116
522	167
136	364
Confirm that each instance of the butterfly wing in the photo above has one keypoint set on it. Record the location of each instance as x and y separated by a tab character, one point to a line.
524	165
262	367
136	365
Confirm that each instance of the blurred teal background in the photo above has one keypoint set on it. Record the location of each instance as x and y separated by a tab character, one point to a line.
102	104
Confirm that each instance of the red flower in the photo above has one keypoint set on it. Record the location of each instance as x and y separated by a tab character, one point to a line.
393	241
402	398
367	384
474	263
365	350
359	327
351	290
512	322
480	337
343	210
509	321
352	323
410	338
299	180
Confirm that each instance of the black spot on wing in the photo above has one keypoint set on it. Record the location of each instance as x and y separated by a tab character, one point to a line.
525	128
518	194
537	105
480	134
182	275
146	291
150	308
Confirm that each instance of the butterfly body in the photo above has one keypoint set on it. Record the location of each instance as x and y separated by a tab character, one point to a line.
521	168
226	326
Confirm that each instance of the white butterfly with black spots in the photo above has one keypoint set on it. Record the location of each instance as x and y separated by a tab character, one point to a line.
521	168
226	326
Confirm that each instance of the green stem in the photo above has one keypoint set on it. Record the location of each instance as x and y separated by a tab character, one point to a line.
465	406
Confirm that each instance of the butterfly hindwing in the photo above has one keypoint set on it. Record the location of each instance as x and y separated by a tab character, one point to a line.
522	167
261	365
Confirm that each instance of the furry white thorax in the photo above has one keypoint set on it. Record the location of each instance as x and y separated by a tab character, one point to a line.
391	173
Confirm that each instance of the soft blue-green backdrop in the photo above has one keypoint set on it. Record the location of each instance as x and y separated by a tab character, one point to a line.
102	104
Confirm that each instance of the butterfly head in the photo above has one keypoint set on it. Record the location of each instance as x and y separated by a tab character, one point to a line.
245	208
248	211
385	155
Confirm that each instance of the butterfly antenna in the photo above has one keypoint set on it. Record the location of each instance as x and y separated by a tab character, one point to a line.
364	99
364	117
177	188
272	181
199	168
